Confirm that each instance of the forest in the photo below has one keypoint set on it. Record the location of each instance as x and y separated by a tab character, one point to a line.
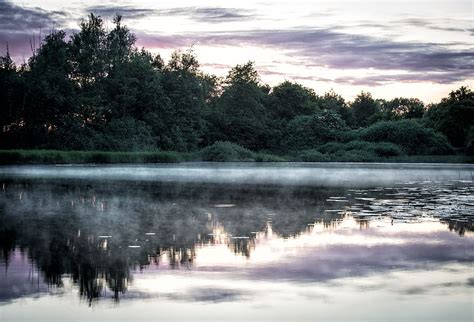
96	91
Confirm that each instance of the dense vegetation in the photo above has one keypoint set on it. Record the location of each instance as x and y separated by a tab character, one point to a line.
97	92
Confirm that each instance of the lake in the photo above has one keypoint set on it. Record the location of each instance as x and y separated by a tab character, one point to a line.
237	242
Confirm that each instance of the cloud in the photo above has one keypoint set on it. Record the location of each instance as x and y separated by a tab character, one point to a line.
199	14
420	62
20	25
126	11
15	18
210	14
377	80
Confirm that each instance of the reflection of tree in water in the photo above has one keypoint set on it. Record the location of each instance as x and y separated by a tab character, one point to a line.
99	234
459	226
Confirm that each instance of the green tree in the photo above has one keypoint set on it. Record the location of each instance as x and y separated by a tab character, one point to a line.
453	116
364	108
187	93
12	94
402	108
288	100
335	102
308	132
241	116
413	137
51	93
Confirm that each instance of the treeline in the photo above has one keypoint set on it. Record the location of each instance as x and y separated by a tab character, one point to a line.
97	91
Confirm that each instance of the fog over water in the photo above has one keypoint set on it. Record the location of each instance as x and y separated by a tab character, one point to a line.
209	241
321	174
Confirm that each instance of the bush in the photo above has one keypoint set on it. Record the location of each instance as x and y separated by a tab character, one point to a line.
226	151
262	157
308	132
312	155
470	141
379	149
414	138
354	156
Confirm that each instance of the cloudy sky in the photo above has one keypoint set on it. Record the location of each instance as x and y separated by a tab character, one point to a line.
391	48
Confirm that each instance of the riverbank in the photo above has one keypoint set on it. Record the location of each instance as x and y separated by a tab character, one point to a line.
9	157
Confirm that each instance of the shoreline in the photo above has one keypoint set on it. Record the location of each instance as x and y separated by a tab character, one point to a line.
45	157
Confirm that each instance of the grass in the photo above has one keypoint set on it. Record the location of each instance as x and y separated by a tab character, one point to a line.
8	157
65	157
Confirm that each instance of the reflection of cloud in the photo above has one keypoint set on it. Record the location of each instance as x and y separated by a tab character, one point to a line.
209	294
336	261
19	279
470	281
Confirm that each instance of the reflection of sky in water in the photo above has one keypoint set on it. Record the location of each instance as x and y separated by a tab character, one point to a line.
207	251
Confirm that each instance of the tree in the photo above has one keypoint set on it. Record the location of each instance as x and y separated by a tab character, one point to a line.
308	132
402	108
413	137
335	102
187	93
51	92
240	116
453	116
288	100
12	93
364	107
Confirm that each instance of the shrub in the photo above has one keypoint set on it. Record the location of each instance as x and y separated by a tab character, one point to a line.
410	135
379	149
308	132
226	151
470	142
312	155
354	156
262	157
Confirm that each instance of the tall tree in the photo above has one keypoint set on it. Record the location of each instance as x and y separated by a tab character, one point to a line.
364	107
185	89
453	116
402	108
242	117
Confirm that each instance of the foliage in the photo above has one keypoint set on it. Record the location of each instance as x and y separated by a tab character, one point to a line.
311	155
410	135
402	108
62	157
97	91
470	142
226	151
453	116
364	108
380	149
307	132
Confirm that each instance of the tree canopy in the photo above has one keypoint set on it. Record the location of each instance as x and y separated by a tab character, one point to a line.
98	91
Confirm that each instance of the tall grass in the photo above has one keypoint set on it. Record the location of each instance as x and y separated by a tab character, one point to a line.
226	153
64	157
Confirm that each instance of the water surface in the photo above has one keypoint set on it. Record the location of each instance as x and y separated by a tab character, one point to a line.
237	242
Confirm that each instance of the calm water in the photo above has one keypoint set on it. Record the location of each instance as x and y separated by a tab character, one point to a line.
290	242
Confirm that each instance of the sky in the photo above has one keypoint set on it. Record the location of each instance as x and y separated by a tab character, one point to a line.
390	48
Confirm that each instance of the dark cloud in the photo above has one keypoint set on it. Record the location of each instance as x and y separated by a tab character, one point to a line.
15	18
200	14
210	14
19	26
430	24
377	80
326	48
126	11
